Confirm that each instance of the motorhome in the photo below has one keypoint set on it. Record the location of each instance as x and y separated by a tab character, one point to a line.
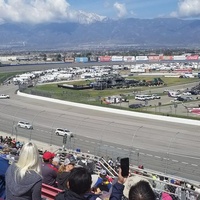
174	94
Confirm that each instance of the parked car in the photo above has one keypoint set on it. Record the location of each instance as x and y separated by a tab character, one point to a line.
63	131
155	96
23	124
136	105
193	92
187	93
4	96
188	98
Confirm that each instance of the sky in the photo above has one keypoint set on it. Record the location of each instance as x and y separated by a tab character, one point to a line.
88	11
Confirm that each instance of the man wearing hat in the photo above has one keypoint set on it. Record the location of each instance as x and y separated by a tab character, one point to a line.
49	171
103	183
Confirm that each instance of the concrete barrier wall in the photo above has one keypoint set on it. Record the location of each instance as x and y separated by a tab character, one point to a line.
116	111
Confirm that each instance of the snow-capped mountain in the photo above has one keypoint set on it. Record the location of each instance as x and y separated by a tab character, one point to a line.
105	32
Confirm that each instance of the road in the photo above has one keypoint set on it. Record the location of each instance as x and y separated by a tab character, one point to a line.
163	146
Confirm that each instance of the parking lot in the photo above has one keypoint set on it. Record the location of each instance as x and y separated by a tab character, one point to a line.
165	105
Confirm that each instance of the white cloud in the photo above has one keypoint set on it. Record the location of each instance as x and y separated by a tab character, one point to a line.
187	8
41	11
121	9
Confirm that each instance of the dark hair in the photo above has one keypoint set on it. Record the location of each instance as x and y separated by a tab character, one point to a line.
141	191
80	180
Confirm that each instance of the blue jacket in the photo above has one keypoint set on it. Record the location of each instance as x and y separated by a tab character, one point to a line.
4	166
117	191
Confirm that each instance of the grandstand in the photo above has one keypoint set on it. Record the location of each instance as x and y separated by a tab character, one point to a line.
178	187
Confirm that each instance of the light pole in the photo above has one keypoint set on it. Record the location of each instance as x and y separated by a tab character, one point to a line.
52	128
168	151
33	121
4	106
14	116
133	137
102	133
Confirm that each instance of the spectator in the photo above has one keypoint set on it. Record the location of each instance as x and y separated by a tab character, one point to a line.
160	184
141	191
49	172
6	140
23	179
111	163
4	166
118	187
63	173
56	162
133	180
165	194
1	139
94	193
79	183
103	182
9	140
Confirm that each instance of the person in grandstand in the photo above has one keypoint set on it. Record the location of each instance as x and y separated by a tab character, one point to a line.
49	171
118	187
4	163
141	191
56	162
103	182
63	173
111	163
132	188
24	179
165	193
79	183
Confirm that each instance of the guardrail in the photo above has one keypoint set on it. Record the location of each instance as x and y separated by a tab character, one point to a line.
175	186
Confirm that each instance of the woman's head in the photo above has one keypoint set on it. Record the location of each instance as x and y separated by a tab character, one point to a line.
29	159
141	191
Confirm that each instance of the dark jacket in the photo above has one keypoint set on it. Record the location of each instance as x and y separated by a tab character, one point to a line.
92	196
62	179
68	195
49	174
117	191
28	188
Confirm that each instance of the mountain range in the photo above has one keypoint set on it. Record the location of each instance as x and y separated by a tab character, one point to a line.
132	32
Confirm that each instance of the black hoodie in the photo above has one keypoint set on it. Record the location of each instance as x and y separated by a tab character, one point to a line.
28	188
62	179
69	195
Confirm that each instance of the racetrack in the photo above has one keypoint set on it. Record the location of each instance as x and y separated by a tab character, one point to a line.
167	147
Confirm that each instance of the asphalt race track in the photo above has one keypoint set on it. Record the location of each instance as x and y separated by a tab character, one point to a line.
168	147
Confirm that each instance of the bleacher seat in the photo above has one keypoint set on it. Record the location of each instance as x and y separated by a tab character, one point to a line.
49	192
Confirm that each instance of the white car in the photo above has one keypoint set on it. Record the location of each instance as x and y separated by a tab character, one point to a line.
23	124
4	96
62	132
155	96
187	93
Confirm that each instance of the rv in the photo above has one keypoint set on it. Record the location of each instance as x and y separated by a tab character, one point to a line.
174	94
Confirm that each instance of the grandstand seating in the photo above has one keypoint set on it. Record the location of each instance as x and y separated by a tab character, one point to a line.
49	192
176	185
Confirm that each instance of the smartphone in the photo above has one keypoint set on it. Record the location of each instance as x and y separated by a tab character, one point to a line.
124	164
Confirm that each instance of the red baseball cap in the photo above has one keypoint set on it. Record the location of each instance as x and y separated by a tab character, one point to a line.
48	155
